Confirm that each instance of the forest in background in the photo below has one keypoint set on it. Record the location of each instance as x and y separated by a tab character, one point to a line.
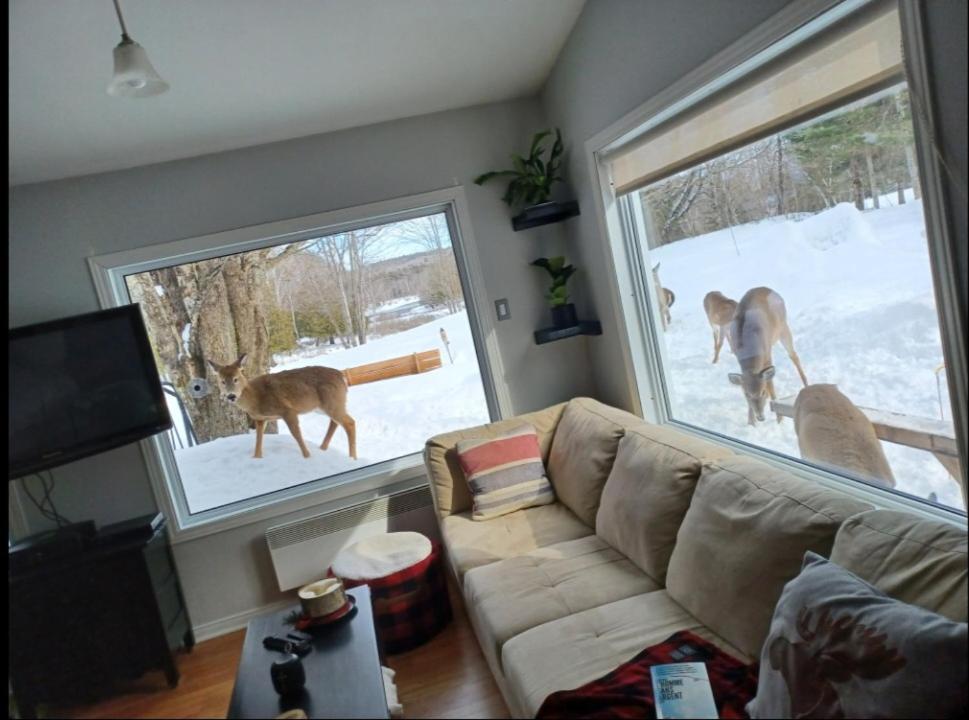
265	302
852	155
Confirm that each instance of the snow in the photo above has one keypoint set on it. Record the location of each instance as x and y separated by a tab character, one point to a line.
860	304
186	336
393	418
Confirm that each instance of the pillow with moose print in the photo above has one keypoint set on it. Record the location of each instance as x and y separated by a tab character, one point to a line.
838	647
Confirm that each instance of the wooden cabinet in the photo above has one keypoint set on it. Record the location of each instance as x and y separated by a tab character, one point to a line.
79	627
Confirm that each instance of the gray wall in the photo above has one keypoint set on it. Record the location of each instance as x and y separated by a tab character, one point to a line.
55	226
623	52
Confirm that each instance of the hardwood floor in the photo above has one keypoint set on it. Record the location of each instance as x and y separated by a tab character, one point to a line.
444	678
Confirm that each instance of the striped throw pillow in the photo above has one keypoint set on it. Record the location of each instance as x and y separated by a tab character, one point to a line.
505	473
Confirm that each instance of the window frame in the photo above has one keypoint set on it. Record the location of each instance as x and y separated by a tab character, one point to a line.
631	286
108	272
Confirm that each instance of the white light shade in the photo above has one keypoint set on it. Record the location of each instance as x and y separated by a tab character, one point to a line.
133	74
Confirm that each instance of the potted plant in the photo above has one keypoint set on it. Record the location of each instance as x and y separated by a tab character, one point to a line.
563	312
531	183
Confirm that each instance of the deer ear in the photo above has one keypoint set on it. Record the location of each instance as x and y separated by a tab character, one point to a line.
767	373
215	366
656	269
242	359
735	378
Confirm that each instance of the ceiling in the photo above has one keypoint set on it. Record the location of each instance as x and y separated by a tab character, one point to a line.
248	72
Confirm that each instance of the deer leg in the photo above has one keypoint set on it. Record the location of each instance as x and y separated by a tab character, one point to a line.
787	340
350	427
329	435
292	422
717	342
260	429
773	396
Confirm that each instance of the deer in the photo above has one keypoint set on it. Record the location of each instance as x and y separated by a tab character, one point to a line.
823	658
720	311
664	297
286	395
831	430
760	321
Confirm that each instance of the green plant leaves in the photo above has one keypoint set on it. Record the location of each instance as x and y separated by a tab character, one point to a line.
532	178
560	273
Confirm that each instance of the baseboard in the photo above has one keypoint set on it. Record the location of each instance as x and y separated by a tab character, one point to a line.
231	623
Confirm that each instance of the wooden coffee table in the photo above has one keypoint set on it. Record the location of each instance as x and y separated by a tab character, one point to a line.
343	675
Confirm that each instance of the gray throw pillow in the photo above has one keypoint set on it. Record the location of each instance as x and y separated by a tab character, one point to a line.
838	647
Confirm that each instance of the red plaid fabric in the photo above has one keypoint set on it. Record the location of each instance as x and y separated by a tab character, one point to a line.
627	692
411	605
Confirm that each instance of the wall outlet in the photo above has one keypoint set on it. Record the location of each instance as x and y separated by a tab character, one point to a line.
501	309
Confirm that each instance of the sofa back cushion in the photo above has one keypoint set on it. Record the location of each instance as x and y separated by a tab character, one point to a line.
910	558
449	488
743	537
648	492
582	454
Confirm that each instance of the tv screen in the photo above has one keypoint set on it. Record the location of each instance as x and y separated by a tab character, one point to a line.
80	386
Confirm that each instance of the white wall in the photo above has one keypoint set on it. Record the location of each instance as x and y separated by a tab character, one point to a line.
55	226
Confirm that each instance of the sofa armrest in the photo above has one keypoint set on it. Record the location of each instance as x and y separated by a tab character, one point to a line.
449	488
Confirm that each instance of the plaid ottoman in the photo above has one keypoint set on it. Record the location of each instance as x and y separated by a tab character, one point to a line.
407	583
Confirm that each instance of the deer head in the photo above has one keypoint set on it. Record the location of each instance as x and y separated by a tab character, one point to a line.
833	652
754	385
231	379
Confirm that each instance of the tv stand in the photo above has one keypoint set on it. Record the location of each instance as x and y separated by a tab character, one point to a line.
84	622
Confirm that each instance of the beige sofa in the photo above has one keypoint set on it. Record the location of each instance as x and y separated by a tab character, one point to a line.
655	531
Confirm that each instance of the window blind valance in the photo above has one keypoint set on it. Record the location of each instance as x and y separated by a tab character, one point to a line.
857	55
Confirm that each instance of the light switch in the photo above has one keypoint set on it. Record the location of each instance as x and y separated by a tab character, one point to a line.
501	309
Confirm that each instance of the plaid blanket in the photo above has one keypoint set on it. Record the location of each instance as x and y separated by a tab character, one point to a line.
409	606
627	692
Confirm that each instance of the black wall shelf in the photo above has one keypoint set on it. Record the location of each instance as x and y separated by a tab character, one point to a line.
547	335
544	213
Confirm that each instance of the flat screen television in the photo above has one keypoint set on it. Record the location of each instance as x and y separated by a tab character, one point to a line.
79	386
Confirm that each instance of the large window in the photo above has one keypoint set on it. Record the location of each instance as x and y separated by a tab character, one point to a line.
309	362
779	231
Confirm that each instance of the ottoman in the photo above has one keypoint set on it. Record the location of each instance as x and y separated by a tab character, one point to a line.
407	584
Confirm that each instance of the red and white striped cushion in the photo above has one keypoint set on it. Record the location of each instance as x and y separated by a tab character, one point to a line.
505	474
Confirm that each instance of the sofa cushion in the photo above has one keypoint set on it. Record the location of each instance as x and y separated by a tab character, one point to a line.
564	654
648	491
449	488
743	537
508	597
471	543
505	474
582	453
910	558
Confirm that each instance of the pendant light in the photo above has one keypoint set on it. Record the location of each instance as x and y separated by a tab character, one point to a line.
133	74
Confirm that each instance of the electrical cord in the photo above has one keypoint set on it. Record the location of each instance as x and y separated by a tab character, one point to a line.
50	512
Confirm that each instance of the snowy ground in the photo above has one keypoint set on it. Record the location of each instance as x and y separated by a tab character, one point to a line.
393	417
860	304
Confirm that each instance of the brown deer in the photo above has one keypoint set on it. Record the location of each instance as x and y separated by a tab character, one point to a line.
760	321
832	431
826	657
286	395
665	298
720	311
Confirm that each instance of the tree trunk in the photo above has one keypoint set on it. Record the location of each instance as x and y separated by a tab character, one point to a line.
913	170
900	192
857	194
780	177
871	177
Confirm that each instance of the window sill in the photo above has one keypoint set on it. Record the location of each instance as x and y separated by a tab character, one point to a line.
392	476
